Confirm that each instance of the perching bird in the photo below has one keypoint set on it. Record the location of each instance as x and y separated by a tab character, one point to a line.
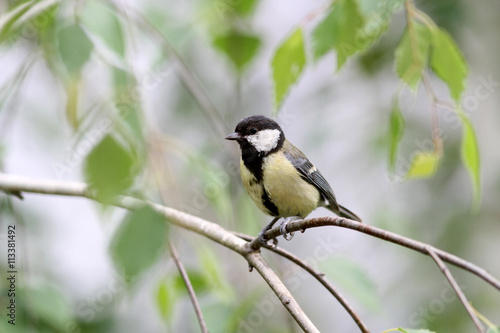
278	176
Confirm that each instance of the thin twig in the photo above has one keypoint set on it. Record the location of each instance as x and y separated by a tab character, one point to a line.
456	287
317	275
315	13
492	328
382	234
203	227
256	261
189	287
425	19
446	104
436	135
184	73
11	89
409	9
157	164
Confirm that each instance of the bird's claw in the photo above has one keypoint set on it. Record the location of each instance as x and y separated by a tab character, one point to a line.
262	234
262	237
284	232
275	243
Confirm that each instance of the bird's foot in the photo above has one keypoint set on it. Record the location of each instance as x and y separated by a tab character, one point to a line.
262	234
263	239
284	232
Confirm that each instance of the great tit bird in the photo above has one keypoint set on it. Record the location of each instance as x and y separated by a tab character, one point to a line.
278	176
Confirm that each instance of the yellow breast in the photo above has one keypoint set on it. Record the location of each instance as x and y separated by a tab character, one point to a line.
286	189
254	189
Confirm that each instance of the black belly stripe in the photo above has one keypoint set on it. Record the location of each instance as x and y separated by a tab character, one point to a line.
252	160
271	207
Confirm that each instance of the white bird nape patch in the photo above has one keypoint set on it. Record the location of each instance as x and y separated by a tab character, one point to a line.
265	140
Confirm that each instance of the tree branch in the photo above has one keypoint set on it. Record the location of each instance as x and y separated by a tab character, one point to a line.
249	250
421	247
189	287
215	232
256	261
456	287
317	275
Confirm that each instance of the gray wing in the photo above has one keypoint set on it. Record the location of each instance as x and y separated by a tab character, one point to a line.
310	174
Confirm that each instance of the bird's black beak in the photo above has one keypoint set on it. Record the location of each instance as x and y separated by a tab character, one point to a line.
233	136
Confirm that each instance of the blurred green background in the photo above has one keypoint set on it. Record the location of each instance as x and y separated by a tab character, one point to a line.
169	80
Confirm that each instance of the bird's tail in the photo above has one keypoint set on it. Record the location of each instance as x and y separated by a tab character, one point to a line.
344	212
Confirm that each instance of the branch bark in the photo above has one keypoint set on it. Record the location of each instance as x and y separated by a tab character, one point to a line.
421	247
320	277
11	183
256	261
458	291
249	250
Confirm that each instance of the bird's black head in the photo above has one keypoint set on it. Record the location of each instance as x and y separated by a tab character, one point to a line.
258	135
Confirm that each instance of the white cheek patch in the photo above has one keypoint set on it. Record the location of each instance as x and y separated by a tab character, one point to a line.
265	140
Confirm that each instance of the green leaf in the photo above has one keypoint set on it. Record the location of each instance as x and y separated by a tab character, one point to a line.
50	306
240	48
448	62
287	65
122	80
166	296
230	10
212	270
385	7
412	54
198	280
325	35
354	279
396	130
109	169
351	38
74	47
244	8
242	309
471	158
343	30
128	106
139	241
423	165
101	20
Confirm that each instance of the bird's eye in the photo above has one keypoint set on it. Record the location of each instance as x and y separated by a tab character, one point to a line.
253	130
